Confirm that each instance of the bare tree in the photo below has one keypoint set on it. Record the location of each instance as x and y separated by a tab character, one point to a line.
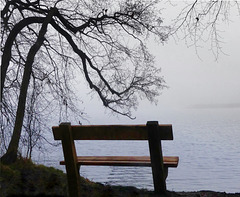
199	22
46	43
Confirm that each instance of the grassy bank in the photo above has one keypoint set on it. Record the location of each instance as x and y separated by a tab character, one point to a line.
27	179
24	178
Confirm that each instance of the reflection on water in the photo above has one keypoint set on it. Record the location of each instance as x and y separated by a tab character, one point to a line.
207	143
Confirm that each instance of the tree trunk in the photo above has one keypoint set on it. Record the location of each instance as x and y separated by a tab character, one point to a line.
8	45
11	155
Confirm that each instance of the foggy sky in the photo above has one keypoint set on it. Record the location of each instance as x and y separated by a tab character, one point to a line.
194	80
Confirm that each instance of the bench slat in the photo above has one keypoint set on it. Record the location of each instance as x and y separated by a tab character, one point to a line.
123	161
113	132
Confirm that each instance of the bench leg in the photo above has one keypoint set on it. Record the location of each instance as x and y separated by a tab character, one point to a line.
73	182
155	149
70	156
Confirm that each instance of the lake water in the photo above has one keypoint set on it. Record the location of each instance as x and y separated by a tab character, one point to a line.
206	140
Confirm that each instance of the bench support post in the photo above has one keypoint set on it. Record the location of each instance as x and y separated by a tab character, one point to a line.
70	156
156	156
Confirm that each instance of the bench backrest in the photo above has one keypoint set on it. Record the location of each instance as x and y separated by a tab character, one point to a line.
111	132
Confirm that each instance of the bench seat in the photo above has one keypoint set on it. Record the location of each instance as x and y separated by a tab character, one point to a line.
123	161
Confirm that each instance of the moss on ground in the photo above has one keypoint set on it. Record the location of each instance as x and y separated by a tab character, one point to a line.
24	177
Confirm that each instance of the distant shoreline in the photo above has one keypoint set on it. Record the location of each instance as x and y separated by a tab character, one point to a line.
216	106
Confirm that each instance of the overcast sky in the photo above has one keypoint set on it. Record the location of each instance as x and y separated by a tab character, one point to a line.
195	81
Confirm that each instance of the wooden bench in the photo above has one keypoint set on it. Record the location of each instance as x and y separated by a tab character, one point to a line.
152	131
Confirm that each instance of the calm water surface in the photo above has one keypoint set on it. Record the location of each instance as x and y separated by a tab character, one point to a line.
207	142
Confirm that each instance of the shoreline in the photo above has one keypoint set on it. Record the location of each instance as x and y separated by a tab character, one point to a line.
170	194
24	178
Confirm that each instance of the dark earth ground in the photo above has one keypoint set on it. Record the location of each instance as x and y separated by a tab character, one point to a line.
24	178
